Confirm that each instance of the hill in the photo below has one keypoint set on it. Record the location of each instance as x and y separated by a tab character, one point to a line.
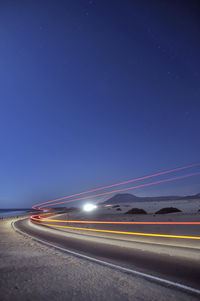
129	198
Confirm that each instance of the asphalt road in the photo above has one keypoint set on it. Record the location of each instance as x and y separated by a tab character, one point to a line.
174	263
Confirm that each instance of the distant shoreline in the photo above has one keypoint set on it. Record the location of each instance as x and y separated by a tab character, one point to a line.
13	213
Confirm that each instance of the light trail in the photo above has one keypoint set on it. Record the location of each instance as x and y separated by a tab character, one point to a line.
40	219
118	184
105	263
123	189
116	223
122	232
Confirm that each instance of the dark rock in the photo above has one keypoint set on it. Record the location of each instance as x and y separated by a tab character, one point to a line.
167	210
136	211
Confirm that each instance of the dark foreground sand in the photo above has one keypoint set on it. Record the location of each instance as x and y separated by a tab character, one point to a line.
32	271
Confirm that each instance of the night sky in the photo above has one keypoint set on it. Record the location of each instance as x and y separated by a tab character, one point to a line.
96	92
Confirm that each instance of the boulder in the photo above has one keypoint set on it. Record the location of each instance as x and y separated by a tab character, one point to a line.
167	210
136	211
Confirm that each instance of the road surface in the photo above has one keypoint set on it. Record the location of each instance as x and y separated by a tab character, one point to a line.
177	264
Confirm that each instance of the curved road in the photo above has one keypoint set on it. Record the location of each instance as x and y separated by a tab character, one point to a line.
176	264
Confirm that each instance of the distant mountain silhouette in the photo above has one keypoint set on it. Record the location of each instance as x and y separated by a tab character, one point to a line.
129	198
122	198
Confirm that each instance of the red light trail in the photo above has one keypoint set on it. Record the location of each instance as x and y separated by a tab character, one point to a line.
121	183
40	219
123	189
113	222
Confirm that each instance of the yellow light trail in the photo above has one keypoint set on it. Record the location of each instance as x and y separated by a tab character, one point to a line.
39	218
121	232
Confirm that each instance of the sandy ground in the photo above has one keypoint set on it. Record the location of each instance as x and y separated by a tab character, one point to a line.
30	270
189	213
187	207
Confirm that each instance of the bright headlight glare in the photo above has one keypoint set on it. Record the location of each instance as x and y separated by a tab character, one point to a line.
89	207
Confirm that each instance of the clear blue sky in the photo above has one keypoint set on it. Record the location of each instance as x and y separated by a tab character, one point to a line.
95	92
